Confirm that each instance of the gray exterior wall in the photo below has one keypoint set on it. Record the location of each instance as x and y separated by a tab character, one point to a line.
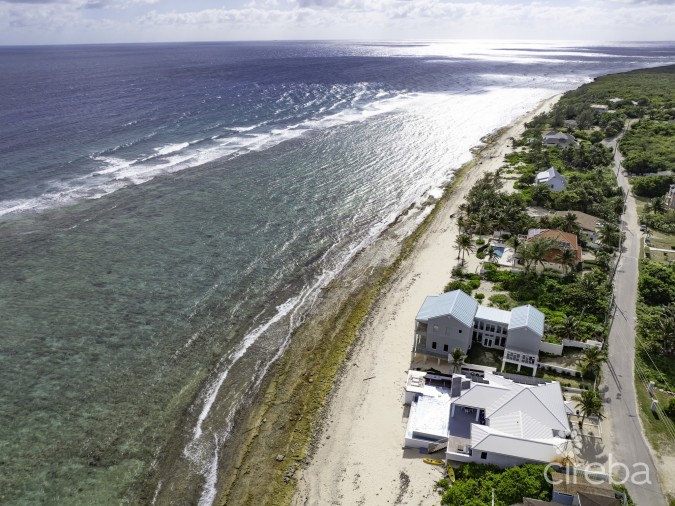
448	332
485	335
498	460
524	340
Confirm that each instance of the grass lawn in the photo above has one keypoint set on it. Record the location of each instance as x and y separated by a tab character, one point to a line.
655	429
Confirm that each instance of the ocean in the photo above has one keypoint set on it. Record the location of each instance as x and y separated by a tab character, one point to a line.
170	212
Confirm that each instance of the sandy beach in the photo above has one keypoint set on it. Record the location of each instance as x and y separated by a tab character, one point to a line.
359	456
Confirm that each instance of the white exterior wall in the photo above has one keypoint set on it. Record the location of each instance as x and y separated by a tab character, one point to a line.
447	331
553	349
496	459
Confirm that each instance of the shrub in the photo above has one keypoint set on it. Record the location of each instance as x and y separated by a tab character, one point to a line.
480	241
479	296
500	300
670	408
474	283
458	285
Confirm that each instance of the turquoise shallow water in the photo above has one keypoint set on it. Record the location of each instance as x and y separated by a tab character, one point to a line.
126	315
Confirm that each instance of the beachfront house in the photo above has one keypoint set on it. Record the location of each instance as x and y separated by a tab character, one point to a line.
551	178
571	124
587	223
505	420
559	139
553	259
444	322
456	320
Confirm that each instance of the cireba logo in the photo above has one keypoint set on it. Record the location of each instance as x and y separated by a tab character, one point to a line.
595	473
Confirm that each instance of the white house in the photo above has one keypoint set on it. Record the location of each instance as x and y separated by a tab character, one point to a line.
455	320
496	419
560	139
552	178
599	108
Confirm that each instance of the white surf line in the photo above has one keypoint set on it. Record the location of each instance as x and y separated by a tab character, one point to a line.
209	491
251	338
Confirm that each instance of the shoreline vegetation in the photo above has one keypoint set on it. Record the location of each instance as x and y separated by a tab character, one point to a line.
278	437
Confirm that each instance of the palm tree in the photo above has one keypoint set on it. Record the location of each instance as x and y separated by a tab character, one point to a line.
591	363
457	359
665	329
569	223
492	255
570	328
609	234
602	259
464	245
567	257
462	223
540	248
656	205
540	194
515	242
589	403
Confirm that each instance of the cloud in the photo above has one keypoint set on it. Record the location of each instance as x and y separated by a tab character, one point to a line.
384	19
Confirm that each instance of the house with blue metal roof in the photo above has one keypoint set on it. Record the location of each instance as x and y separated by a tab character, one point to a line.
456	320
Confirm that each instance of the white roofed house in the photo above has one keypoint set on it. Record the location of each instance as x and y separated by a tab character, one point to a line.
551	178
443	323
559	139
455	320
526	329
494	420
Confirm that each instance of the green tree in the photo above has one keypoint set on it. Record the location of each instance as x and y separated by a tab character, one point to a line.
567	257
585	119
665	331
569	223
609	234
569	328
464	245
589	403
492	255
591	362
457	359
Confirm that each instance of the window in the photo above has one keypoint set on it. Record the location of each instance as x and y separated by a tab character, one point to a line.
460	331
433	345
481	325
483	455
492	328
499	330
445	347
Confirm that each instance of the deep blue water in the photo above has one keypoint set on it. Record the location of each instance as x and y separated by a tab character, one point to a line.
169	212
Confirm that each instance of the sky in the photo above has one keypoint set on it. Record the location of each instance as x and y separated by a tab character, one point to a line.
105	21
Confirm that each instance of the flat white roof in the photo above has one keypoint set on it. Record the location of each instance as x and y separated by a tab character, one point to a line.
430	415
493	314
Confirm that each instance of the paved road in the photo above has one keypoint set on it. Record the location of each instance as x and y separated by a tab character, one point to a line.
628	444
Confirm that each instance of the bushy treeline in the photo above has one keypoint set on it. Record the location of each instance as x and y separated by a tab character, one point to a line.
475	484
585	298
651	186
649	146
656	321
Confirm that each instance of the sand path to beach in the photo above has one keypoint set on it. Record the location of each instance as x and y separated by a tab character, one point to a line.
360	458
